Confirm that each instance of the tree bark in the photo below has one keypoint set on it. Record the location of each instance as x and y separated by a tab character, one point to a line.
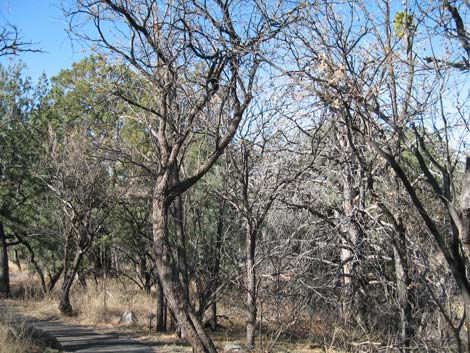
17	260
161	327
4	268
65	306
402	282
350	252
213	316
250	287
178	216
216	264
54	278
174	292
465	208
147	281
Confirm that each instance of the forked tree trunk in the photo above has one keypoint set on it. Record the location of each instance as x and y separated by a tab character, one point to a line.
54	278
65	306
4	269
174	292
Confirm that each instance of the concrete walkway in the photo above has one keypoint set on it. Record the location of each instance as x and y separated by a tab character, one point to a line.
75	338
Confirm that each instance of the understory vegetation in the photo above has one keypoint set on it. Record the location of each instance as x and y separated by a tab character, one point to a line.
286	176
14	336
10	345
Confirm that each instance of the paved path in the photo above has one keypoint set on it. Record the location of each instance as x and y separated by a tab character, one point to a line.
74	338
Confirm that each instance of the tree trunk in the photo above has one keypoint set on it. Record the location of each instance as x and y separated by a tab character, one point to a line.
174	291
178	216
465	237
147	281
402	282
250	286
54	278
17	260
213	316
161	327
65	306
4	269
216	264
351	303
165	314
402	278
465	208
32	259
455	260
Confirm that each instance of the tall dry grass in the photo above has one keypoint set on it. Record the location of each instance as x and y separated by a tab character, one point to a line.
100	304
9	344
104	302
96	304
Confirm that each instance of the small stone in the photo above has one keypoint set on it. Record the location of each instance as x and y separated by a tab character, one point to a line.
128	318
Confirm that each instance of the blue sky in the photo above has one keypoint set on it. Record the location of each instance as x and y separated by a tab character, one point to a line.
42	22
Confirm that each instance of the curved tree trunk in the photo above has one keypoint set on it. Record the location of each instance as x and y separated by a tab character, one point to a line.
452	255
32	259
65	306
174	292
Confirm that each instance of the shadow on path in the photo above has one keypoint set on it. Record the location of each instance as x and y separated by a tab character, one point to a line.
79	339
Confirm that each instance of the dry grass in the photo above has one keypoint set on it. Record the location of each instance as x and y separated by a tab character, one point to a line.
24	285
9	344
101	305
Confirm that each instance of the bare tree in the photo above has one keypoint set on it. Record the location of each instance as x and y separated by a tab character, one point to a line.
257	175
194	65
370	74
253	197
81	184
